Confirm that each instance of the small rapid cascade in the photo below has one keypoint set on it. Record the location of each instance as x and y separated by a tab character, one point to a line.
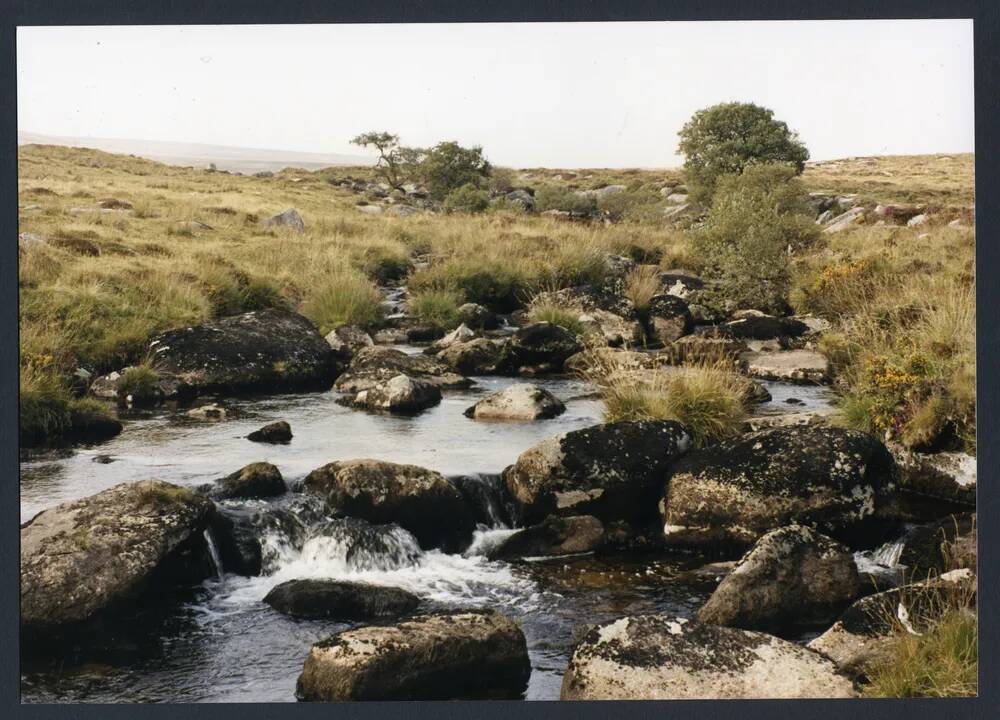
882	563
488	496
213	552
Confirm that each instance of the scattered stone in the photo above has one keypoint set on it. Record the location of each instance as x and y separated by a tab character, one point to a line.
461	334
659	657
27	240
419	500
212	411
681	284
400	394
369	209
818	417
348	340
254	481
677	198
276	432
852	217
289	218
522	401
541	344
72	563
800	366
339	600
762	327
481	356
555	536
612	471
792	576
918	220
737	490
669	318
375	365
456	655
424	333
478	317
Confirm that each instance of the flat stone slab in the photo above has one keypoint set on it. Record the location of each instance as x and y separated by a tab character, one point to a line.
802	366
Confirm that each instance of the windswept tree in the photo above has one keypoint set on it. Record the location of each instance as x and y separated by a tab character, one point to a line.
725	138
395	163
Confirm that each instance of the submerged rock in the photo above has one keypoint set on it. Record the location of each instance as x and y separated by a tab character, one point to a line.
419	500
658	657
276	432
612	471
400	394
375	365
522	401
792	576
867	630
102	552
458	655
738	490
272	350
339	600
256	480
554	536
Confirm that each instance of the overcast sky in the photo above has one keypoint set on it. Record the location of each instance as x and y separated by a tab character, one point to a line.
552	94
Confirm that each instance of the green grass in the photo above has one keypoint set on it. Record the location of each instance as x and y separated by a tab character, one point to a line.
943	662
551	313
344	299
438	307
139	380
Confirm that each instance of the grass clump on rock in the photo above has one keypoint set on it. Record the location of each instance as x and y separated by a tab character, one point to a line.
557	315
346	298
439	307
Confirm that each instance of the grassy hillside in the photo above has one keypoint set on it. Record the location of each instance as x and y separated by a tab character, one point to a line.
119	248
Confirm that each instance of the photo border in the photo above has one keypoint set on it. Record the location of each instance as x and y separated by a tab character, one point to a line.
986	16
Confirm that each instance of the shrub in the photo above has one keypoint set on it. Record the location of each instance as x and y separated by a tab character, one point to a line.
726	138
754	221
642	204
448	166
559	197
501	286
346	298
139	381
551	313
468	199
439	307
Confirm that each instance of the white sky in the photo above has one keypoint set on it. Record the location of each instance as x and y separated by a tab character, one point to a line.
552	94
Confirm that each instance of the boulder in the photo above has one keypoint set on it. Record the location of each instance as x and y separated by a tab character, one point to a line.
554	536
517	402
740	489
608	297
339	600
400	394
793	576
210	411
540	344
463	333
616	330
256	480
155	388
100	553
423	333
593	359
852	217
266	350
480	356
947	476
669	318
800	366
681	284
419	500
276	432
698	350
456	655
347	340
659	657
762	327
245	533
375	365
612	471
867	630
933	547
487	496
288	219
478	317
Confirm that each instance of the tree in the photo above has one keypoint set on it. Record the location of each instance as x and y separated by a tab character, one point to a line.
448	166
396	163
755	220
725	138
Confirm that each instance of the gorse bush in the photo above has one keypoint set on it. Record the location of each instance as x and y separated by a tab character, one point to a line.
755	220
468	198
724	139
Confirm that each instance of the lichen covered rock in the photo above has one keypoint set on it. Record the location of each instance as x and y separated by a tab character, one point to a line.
521	401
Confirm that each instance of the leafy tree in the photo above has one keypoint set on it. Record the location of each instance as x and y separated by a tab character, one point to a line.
725	138
396	163
756	220
448	166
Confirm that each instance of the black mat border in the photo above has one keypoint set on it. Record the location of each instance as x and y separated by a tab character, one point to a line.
987	87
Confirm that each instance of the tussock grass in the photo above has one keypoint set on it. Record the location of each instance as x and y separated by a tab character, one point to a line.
345	299
557	315
439	307
643	283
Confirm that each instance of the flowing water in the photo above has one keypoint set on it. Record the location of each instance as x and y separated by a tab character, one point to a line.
222	643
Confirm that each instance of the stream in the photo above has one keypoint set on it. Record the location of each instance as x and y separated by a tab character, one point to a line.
222	644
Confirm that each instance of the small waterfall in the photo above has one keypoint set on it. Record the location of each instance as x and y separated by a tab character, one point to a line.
213	552
888	555
352	545
487	494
